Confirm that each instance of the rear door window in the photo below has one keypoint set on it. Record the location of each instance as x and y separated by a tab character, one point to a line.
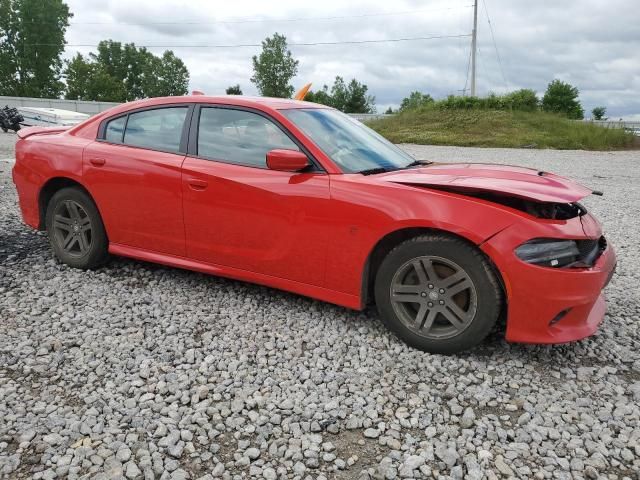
157	129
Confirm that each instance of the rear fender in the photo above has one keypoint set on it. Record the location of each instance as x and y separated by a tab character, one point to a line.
43	154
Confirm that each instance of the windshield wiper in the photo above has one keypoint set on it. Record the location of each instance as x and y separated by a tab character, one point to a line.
373	171
418	163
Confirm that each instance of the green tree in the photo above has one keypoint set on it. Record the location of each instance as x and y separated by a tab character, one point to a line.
79	73
137	69
357	99
562	97
31	45
339	94
415	100
389	111
523	99
598	113
349	98
164	76
120	73
234	90
274	68
321	96
87	80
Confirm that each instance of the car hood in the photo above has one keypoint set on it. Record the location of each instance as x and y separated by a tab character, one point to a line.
502	179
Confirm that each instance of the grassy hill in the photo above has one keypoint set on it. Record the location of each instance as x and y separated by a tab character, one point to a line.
500	128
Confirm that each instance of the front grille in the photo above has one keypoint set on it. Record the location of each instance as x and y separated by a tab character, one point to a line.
590	250
602	243
586	247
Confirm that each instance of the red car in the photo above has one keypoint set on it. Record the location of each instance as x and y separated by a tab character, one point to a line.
300	197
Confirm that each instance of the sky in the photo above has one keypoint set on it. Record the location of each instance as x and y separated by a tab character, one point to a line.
592	44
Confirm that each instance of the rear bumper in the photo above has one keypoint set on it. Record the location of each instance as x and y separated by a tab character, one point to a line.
552	305
26	186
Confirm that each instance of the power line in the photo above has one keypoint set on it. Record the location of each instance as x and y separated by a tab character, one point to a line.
294	44
270	20
495	46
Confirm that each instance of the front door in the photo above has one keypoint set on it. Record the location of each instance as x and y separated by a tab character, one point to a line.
240	214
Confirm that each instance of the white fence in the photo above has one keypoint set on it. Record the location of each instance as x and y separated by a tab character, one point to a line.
81	106
92	108
617	124
363	117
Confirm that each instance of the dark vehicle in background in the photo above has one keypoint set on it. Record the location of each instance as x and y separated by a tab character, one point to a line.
10	119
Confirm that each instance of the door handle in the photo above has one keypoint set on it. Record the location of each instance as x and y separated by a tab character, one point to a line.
197	184
98	162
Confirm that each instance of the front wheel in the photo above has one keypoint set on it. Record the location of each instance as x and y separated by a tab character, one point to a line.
438	293
75	229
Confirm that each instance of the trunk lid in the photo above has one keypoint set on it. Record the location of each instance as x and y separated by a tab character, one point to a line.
30	131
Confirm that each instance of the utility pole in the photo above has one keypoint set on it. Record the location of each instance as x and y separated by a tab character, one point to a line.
473	48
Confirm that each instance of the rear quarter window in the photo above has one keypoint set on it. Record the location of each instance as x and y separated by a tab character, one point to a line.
113	132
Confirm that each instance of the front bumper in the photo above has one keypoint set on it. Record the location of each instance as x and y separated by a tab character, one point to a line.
551	305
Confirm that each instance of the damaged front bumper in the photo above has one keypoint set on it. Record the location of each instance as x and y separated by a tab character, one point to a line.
552	305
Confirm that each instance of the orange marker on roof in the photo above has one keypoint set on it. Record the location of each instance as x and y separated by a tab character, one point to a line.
302	92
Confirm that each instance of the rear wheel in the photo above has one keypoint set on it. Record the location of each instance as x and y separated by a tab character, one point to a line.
75	229
438	293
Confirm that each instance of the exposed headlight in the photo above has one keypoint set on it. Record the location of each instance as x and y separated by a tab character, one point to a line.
549	252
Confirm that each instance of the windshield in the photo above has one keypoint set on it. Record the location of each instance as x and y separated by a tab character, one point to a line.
350	144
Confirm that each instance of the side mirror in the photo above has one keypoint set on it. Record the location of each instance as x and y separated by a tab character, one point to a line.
287	160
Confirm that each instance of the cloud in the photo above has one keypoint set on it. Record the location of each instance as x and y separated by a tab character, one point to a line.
589	43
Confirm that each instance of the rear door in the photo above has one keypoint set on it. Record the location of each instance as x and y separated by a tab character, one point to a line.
239	213
133	172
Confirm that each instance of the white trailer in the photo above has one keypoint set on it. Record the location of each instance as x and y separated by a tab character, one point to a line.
50	117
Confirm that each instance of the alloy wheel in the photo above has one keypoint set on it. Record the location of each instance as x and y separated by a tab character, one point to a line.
433	297
72	228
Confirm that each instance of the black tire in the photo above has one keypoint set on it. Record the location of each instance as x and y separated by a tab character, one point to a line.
442	319
75	229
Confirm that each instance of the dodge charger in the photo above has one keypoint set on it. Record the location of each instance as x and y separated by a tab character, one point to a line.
300	197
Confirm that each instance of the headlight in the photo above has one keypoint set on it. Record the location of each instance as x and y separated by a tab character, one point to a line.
549	252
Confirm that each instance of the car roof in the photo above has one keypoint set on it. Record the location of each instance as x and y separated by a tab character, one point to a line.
88	128
239	100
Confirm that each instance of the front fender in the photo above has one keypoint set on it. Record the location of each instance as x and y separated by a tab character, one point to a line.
364	214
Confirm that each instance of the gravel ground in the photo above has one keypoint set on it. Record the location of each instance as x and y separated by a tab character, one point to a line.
141	371
6	145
